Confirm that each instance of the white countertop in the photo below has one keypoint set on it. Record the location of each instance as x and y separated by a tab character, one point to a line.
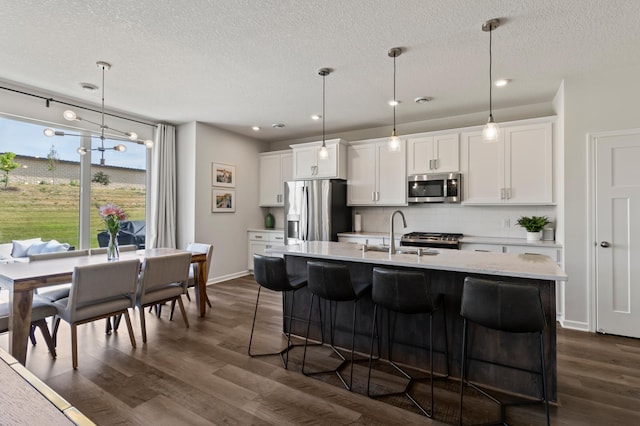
506	241
274	230
500	264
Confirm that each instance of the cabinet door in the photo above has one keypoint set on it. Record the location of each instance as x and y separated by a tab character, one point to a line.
256	247
328	168
270	185
391	176
304	162
552	252
483	170
446	153
286	170
495	248
529	165
361	183
420	155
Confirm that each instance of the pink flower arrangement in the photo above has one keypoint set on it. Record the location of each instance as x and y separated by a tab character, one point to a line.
112	215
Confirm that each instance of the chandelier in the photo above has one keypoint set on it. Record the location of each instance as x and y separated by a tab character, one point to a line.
72	116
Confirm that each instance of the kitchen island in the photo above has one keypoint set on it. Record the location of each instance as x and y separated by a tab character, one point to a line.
499	359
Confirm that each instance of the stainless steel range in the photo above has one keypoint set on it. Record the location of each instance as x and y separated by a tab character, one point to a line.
431	240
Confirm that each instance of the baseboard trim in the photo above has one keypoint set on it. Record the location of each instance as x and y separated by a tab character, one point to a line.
575	325
227	277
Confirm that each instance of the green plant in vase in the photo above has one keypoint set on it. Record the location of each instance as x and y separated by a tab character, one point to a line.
534	225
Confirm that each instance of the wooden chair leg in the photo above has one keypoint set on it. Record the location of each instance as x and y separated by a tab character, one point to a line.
74	345
130	328
143	326
44	329
184	313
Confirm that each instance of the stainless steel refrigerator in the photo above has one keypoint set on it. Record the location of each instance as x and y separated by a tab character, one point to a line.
315	210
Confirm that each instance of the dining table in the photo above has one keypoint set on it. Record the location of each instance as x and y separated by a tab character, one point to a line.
21	279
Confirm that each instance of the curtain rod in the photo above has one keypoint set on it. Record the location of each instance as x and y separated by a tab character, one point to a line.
49	100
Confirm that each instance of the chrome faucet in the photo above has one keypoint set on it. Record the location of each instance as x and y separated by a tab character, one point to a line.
392	243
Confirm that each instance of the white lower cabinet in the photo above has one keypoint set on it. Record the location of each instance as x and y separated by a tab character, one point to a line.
259	241
554	253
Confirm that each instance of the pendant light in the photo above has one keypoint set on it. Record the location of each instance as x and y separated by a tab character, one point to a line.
323	154
394	140
102	136
491	131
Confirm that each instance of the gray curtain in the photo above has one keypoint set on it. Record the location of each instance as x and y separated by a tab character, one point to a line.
161	229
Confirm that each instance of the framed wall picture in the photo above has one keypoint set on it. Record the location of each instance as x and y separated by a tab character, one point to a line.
223	200
223	175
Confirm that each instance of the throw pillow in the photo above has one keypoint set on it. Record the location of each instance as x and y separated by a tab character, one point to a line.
36	248
54	246
20	247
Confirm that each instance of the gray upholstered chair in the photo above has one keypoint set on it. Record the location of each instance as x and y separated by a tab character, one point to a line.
507	308
59	291
99	291
40	311
163	279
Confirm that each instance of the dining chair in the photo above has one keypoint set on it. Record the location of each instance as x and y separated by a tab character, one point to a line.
194	269
99	291
40	311
162	279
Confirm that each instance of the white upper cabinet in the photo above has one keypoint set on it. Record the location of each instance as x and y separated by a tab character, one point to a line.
308	165
517	169
376	176
275	169
433	153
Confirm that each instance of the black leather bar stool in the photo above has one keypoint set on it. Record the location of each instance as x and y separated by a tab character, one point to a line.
406	292
271	273
506	307
332	282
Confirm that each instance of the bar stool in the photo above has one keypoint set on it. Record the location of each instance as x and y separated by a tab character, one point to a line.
406	292
332	282
271	273
506	307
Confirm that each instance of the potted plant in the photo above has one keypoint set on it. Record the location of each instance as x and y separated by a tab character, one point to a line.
534	226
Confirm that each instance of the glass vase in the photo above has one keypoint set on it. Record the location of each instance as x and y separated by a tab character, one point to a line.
113	252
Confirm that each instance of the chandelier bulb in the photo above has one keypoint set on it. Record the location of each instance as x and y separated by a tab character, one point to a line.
49	132
120	148
70	115
81	150
148	143
132	135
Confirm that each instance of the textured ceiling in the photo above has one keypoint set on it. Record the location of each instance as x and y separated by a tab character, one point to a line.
238	63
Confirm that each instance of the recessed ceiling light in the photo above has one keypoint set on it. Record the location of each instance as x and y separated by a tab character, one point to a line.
89	87
393	102
423	99
277	125
255	128
316	117
502	82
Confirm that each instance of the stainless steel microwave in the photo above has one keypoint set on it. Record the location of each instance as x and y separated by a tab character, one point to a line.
434	188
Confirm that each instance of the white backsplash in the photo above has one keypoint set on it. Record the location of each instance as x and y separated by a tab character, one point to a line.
481	221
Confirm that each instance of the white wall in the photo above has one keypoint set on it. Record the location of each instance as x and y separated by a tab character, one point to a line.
597	102
203	145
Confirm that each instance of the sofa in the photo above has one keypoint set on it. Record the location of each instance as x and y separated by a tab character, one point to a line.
20	250
131	232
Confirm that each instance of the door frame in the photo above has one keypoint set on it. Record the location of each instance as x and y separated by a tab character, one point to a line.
592	295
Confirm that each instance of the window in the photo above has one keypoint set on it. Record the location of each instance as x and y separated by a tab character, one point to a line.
40	187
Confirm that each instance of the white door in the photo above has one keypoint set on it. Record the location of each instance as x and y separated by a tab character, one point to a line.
618	234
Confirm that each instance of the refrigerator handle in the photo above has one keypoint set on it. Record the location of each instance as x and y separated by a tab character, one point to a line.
304	219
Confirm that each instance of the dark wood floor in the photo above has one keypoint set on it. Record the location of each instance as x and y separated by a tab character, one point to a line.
203	376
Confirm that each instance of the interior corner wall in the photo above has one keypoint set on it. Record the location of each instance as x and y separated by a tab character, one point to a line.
186	182
227	232
597	102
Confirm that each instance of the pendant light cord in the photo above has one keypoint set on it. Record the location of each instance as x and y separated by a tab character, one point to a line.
490	76
323	102
394	93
